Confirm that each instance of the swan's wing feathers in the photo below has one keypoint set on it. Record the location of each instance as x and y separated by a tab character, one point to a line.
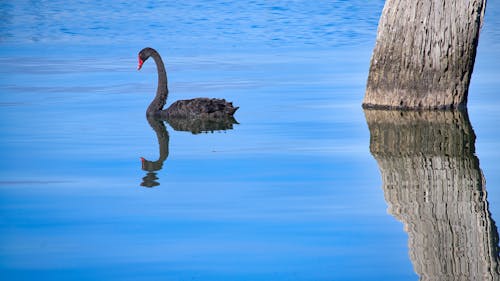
201	107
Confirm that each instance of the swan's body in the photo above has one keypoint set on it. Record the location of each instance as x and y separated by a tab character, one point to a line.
193	108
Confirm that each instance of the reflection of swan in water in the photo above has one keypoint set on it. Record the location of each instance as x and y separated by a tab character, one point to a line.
193	108
197	125
433	184
152	166
201	125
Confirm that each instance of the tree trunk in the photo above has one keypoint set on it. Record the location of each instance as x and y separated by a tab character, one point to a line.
433	184
424	54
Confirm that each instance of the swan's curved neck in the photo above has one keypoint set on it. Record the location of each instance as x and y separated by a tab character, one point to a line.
162	91
150	180
163	140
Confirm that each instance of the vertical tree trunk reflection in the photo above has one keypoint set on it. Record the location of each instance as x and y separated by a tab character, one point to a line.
433	184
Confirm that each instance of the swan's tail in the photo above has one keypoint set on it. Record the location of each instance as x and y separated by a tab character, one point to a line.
231	109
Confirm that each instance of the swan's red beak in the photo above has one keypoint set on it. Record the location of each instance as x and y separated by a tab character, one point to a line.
140	64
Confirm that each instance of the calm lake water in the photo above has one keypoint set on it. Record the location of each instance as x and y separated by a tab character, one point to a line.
307	186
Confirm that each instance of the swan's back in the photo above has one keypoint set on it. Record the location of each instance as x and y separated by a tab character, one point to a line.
201	107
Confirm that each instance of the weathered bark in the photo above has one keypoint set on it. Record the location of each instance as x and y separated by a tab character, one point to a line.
433	184
424	54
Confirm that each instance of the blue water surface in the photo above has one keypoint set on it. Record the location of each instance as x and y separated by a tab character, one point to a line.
291	193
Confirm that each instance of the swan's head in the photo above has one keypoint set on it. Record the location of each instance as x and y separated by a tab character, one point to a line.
144	54
151	166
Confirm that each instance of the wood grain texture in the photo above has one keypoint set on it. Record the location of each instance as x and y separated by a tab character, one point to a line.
433	184
424	54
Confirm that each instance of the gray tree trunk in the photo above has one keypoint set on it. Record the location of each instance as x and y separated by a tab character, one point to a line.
433	184
424	54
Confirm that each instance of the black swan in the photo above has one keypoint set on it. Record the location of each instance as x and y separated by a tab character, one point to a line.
193	108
